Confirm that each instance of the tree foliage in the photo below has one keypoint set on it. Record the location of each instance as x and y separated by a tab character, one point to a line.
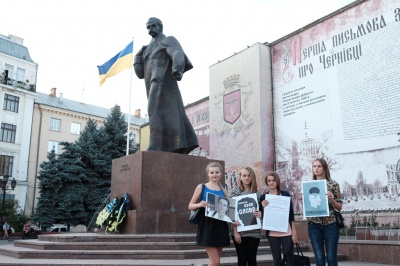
73	184
14	216
115	129
70	199
49	186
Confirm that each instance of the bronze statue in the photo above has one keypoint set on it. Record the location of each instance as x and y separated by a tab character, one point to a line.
162	64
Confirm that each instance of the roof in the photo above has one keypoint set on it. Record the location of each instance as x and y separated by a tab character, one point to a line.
197	102
14	49
83	108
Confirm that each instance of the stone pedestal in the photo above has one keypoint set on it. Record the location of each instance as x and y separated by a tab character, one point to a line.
160	186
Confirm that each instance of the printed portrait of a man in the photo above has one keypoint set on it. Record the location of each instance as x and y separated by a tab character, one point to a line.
315	202
314	197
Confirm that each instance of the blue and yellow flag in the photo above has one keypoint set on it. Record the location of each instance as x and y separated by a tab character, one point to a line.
120	62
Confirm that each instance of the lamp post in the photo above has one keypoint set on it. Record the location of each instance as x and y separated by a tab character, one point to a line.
3	186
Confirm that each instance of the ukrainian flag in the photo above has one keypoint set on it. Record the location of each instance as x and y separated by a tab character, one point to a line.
120	62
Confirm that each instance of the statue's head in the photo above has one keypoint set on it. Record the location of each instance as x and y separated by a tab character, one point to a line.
154	26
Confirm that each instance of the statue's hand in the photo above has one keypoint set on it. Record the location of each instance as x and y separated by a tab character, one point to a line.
177	75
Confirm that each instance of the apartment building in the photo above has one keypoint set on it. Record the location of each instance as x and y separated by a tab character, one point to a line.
56	119
17	94
33	123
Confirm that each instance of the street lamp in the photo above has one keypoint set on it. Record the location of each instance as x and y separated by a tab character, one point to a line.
3	186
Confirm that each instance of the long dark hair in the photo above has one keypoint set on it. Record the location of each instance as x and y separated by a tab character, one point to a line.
277	180
324	166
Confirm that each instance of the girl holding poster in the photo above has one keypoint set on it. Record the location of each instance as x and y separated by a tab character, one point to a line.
213	234
246	242
280	241
323	231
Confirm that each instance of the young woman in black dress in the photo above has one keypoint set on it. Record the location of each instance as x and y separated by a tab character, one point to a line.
213	234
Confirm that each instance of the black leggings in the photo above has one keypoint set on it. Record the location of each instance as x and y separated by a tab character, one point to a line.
247	251
280	245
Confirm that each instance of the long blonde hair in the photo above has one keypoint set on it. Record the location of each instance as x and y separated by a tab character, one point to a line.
253	186
218	165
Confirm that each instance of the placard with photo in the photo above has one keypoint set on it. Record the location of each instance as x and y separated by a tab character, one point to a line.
315	201
245	206
220	208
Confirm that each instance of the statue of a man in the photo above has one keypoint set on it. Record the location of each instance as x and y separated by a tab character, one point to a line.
162	64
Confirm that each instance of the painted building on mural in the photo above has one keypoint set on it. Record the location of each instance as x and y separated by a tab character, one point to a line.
199	116
336	95
328	90
17	94
322	91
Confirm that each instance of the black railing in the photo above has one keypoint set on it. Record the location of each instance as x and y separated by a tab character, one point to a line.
18	84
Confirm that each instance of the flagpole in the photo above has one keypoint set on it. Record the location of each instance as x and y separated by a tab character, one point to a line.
129	115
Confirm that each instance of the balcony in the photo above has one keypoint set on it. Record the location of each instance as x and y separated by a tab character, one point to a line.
18	84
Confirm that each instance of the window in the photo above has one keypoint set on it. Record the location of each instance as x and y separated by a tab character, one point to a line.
75	128
6	165
9	197
11	103
52	145
20	74
10	69
55	124
7	133
132	137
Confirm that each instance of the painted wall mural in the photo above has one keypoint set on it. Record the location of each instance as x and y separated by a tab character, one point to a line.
336	96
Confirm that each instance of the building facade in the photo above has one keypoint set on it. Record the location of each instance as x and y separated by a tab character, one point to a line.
17	94
56	119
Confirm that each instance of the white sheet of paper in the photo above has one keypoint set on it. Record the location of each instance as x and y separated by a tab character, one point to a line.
276	213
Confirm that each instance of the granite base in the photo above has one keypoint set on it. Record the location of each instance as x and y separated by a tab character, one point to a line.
160	186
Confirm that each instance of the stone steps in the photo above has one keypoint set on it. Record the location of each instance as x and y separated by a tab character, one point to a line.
48	245
81	249
94	237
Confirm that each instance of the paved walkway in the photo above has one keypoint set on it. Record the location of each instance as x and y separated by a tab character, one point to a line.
9	261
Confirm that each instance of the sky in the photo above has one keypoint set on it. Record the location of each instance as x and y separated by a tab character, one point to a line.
68	39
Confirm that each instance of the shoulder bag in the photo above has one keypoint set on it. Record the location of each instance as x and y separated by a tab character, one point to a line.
299	259
195	215
339	219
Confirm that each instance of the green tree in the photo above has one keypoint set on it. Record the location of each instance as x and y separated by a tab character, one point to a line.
115	132
96	160
72	186
49	187
15	216
98	148
70	198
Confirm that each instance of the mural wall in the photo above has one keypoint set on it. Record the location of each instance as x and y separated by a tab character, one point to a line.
241	112
336	95
199	116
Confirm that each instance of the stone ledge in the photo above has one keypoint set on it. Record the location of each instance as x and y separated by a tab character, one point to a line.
386	252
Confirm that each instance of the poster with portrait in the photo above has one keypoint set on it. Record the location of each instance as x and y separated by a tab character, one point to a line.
220	208
315	201
276	213
245	206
